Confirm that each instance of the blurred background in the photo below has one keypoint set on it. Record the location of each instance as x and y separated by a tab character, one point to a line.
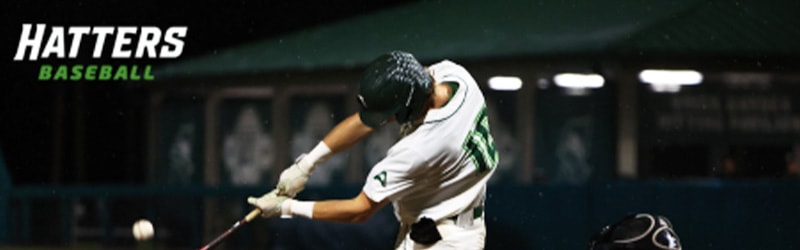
684	108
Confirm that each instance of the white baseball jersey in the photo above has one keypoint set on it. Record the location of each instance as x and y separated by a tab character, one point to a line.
441	169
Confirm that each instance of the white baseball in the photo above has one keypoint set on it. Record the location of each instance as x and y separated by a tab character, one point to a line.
143	230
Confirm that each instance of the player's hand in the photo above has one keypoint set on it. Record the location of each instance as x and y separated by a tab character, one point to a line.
293	179
270	203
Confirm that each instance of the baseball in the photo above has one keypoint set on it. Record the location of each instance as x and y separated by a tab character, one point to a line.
143	230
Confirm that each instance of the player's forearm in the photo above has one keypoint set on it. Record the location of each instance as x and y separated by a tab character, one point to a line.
347	133
341	137
358	209
339	211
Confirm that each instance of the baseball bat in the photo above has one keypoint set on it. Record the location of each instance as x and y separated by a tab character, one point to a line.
249	217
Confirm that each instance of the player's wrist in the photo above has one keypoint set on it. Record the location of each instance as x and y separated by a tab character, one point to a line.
316	156
292	207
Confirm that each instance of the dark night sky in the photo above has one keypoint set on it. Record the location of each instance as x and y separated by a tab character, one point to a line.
27	106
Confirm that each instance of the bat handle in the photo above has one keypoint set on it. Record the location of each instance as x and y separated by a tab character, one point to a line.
252	215
249	217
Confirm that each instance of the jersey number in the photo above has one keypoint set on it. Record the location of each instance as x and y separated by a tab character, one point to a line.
480	145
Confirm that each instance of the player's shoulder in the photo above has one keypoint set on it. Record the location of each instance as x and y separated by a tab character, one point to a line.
449	71
446	66
445	63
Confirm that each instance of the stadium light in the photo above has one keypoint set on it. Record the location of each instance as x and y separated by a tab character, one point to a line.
670	77
576	80
505	83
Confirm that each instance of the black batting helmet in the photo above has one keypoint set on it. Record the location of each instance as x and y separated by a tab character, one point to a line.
394	84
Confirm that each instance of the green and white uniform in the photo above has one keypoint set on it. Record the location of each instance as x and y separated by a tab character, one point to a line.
440	170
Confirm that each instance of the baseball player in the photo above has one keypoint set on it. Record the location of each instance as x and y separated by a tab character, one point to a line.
435	175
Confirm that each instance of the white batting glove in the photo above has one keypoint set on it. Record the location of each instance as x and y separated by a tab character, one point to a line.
293	179
270	203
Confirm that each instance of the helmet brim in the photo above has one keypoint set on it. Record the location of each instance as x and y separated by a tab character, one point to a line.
375	119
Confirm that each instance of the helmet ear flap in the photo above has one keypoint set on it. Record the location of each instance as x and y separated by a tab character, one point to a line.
404	114
417	98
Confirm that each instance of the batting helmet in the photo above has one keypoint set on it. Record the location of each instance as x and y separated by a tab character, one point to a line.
637	232
394	84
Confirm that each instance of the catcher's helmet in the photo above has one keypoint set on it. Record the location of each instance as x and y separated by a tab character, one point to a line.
637	232
394	84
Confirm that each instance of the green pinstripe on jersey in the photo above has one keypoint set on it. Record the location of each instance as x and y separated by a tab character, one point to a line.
479	144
